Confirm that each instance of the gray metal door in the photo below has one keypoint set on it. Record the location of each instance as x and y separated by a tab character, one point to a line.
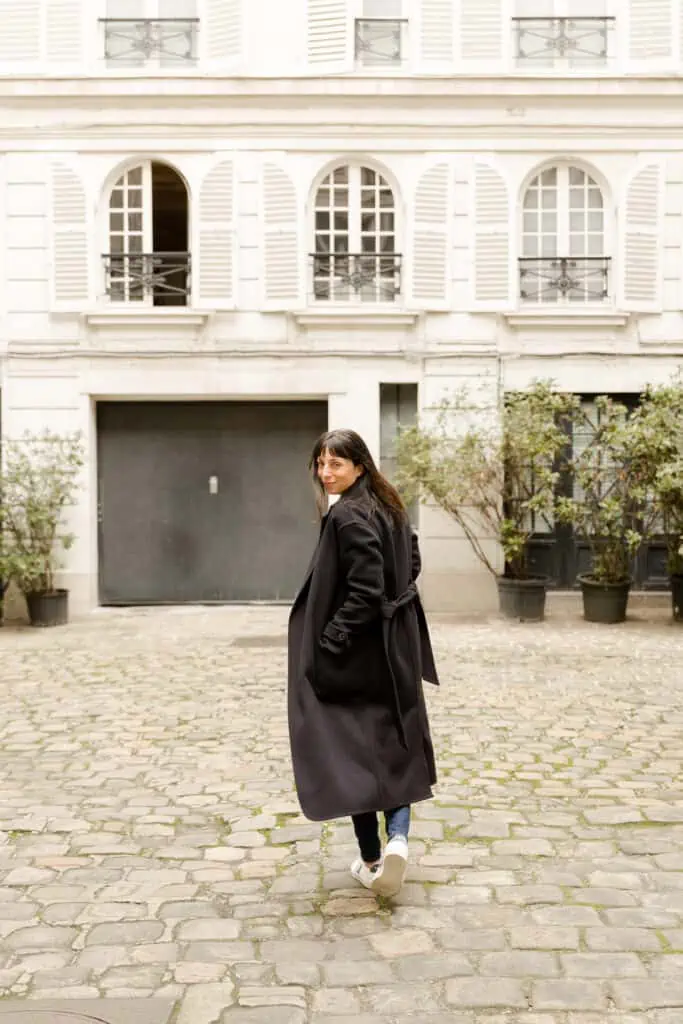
205	501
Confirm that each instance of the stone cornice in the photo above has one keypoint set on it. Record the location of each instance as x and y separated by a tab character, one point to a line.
176	91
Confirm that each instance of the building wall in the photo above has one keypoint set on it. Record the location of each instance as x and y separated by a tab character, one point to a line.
458	131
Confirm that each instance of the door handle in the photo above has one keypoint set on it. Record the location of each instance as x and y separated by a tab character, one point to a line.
213	485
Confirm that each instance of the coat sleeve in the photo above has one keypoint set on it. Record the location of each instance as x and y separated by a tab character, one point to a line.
362	565
416	557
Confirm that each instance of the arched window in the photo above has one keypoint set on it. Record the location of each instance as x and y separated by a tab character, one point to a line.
563	239
355	258
148	259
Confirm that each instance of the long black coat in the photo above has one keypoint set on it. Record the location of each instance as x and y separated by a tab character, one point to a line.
359	649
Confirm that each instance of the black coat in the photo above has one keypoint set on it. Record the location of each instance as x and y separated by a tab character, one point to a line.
359	649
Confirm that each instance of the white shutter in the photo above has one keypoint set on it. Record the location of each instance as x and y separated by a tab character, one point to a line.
437	32
491	239
70	247
222	30
329	35
640	250
483	30
651	32
65	20
216	265
20	31
431	238
281	260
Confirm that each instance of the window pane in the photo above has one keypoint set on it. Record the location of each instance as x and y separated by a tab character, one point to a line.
135	222
548	245
323	197
595	199
595	221
549	223
367	176
577	222
116	243
116	202
368	222
341	197
341	175
386	198
577	176
549	199
135	176
386	222
549	177
341	221
382	8
116	222
322	220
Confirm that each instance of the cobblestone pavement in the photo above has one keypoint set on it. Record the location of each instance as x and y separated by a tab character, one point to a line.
151	844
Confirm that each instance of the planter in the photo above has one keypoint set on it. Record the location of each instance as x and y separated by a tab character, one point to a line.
604	602
677	596
48	609
523	600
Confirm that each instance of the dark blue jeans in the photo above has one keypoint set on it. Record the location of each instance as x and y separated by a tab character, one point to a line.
366	827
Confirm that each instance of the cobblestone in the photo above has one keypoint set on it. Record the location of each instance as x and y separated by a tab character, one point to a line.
156	847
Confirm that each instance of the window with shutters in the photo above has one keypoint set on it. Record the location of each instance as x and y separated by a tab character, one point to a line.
563	34
147	259
355	256
563	257
150	33
381	35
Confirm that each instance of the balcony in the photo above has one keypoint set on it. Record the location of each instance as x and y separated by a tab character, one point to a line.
379	42
159	42
152	279
563	43
356	277
564	280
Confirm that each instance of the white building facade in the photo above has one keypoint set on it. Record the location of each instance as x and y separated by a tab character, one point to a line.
230	224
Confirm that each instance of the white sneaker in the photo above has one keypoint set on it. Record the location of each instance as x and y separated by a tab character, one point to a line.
365	875
389	880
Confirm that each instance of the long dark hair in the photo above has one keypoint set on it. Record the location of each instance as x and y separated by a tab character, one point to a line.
377	492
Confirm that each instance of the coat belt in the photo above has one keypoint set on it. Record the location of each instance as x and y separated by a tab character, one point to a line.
389	609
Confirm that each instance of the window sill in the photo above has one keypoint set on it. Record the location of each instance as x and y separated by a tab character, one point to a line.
563	316
147	316
337	316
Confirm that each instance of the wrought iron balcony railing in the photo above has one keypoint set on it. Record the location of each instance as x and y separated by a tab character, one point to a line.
157	279
379	41
141	41
356	277
564	279
563	42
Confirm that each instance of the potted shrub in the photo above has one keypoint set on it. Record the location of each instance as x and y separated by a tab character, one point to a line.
39	481
494	476
660	419
612	508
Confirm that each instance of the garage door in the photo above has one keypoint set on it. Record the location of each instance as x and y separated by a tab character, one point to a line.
205	501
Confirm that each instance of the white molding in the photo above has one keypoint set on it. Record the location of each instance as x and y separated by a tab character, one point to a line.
336	318
151	318
574	319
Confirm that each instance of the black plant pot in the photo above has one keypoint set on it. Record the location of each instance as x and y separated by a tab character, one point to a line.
523	600
604	602
48	609
677	596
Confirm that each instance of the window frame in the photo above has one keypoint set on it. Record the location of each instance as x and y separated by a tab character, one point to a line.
562	236
354	232
151	10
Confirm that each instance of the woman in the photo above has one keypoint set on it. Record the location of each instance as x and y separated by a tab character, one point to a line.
358	650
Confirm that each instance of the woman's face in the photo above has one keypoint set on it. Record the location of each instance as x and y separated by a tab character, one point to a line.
337	474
